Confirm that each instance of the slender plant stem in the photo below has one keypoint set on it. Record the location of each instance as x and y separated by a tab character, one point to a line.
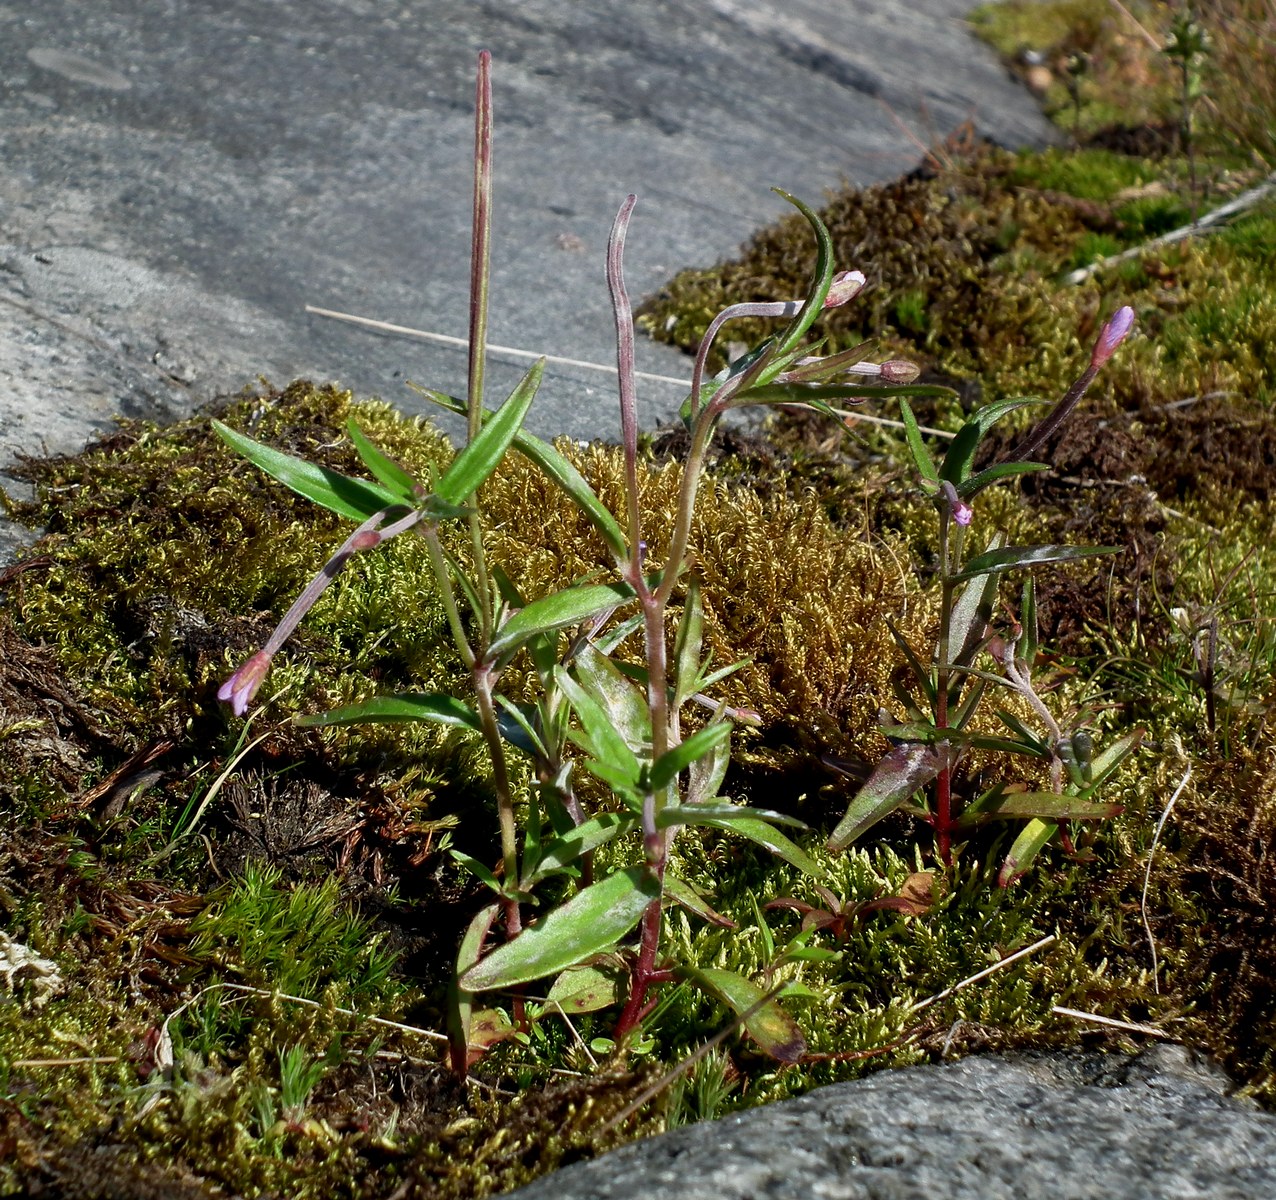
944	782
442	575
484	680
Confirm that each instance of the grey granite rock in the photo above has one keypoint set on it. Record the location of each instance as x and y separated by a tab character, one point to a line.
180	180
1045	1127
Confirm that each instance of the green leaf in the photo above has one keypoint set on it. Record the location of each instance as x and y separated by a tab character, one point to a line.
821	279
591	921
461	1006
1049	806
961	454
478	870
921	456
990	414
670	764
1011	557
976	483
625	703
436	707
681	892
929	733
479	459
687	647
719	815
1032	839
705	775
588	835
763	1018
904	771
972	612
559	470
356	499
1111	757
766	835
383	468
612	759
920	673
584	989
559	610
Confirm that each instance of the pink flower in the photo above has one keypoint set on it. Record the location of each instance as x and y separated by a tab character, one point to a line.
242	686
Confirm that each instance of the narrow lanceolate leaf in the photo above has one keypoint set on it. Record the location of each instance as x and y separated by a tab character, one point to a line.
599	738
686	655
1032	839
760	831
478	460
976	483
435	707
357	499
624	701
591	921
917	448
681	892
461	1008
670	764
1050	806
559	610
587	836
972	612
721	813
1111	757
556	468
763	1018
990	414
960	455
382	467
821	280
904	771
1008	558
705	775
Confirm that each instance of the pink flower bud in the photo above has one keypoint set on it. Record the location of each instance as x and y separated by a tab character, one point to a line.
1112	336
242	686
962	513
845	287
900	370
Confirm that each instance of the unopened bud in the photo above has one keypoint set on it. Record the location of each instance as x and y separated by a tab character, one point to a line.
1112	336
900	370
845	287
962	513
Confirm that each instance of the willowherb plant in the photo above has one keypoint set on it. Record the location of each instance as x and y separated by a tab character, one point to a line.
930	745
624	720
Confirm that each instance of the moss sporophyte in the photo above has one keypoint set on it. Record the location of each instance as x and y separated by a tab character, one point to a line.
582	867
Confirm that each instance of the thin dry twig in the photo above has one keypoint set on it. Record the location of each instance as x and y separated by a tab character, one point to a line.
1147	876
965	983
531	355
1128	1026
1206	224
463	343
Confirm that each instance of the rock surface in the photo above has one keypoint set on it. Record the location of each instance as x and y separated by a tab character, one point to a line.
181	180
1050	1127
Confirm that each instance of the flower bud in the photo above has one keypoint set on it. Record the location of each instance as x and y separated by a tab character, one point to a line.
844	288
1112	336
962	513
900	370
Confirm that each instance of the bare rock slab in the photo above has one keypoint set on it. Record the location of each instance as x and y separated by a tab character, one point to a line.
1049	1127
